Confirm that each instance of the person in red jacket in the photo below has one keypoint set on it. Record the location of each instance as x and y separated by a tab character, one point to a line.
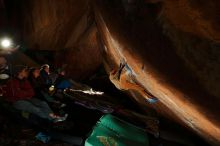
20	93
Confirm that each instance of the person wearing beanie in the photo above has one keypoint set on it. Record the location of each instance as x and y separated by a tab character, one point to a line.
19	92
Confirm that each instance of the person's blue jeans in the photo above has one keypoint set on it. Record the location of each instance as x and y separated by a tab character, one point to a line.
34	106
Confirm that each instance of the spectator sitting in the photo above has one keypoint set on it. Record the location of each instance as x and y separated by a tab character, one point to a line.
20	93
37	82
40	90
44	73
62	82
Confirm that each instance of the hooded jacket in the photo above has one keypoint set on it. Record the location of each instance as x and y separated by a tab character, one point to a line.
17	89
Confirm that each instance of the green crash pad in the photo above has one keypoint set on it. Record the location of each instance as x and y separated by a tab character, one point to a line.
112	131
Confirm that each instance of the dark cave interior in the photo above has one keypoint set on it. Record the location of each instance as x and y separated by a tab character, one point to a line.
171	47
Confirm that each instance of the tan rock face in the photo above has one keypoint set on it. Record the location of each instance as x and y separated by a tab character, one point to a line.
172	47
81	60
164	68
66	27
50	24
194	30
198	17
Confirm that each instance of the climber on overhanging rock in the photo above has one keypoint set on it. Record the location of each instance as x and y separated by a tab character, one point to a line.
123	79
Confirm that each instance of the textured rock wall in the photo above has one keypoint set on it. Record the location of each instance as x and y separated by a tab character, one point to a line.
48	24
65	27
154	58
82	60
172	46
198	17
194	30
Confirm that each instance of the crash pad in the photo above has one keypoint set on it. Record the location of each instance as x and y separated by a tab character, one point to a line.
112	131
